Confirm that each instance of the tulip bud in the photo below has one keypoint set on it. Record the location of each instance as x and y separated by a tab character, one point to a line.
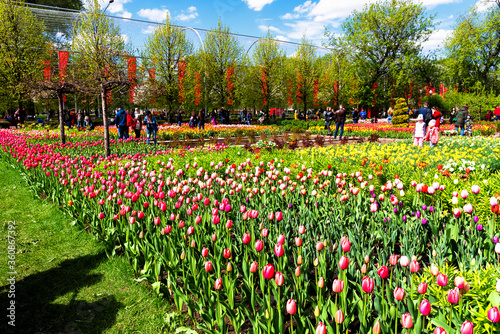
291	307
316	311
339	316
229	267
376	328
422	288
316	262
459	282
363	268
406	321
434	270
300	260
367	258
434	253
467	328
183	255
473	262
321	283
267	314
141	235
494	314
193	243
218	283
425	307
214	237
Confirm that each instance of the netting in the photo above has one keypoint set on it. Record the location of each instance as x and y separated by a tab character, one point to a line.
59	23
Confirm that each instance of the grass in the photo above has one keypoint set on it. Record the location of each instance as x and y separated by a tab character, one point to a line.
64	281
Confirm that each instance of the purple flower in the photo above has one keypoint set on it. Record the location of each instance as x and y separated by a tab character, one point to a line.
246	199
385	220
404	218
479	227
413	213
401	205
495	239
374	195
395	210
424	221
424	207
419	214
431	209
290	205
476	219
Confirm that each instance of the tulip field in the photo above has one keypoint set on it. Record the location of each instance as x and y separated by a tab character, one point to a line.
365	238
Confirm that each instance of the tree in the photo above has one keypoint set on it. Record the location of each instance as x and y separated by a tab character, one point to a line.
166	49
100	58
222	57
473	49
69	4
304	61
22	47
381	41
268	59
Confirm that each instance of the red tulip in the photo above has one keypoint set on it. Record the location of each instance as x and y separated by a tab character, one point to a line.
227	253
291	306
190	230
439	330
168	229
197	220
345	244
278	278
278	250
270	216
253	267
393	260
414	266
467	328
268	271
218	283
229	224
259	245
494	315
383	272
208	266
156	221
140	215
367	284
425	307
399	293
204	252
101	215
453	296
422	288
302	229
216	220
344	262
406	321
214	237
131	220
338	286
246	238
319	245
279	216
442	280
264	233
298	241
281	239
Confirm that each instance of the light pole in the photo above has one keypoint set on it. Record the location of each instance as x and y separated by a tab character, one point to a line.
109	3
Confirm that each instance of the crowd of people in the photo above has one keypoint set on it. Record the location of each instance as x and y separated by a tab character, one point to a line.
125	121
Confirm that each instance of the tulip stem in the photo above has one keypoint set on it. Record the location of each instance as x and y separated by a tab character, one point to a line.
396	320
451	315
364	311
291	322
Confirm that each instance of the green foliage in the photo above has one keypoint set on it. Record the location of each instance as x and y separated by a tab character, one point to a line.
478	102
435	100
400	118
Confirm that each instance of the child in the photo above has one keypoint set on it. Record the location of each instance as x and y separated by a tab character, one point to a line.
419	133
192	121
433	133
469	123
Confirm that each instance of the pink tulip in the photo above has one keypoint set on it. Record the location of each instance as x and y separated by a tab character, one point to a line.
259	245
425	307
493	201
156	221
321	329
442	280
246	238
264	233
279	216
439	330
338	286
218	283
393	260
339	316
406	321
345	244
475	189
298	241
434	270
253	267
367	284
464	194
204	252
494	315
319	245
399	294
281	239
229	224
278	250
468	208
344	262
453	296
197	220
190	230
208	266
383	272
101	215
467	328
278	278
414	266
422	288
268	271
291	306
131	220
302	229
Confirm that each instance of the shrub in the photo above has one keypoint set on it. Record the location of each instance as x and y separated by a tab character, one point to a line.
400	118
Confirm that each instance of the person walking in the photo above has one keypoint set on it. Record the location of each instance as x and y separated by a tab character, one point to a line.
79	119
496	112
137	126
469	124
179	117
340	116
243	115
151	126
121	124
249	117
420	131
426	113
213	115
436	115
328	120
459	120
355	116
201	119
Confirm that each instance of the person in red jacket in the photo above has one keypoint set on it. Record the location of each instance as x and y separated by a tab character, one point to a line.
497	113
436	115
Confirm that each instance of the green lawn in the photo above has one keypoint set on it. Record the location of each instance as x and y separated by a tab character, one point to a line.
64	282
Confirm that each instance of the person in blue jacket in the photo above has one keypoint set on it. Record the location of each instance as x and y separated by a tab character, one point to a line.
151	126
121	124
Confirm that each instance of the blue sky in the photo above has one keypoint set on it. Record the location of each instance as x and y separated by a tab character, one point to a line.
288	20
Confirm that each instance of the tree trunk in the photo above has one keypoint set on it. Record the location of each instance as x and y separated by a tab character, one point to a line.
61	116
107	151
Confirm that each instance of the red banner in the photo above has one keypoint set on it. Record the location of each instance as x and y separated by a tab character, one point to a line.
335	93
197	88
109	99
264	87
63	63
181	72
132	73
374	87
315	92
152	80
46	69
299	88
290	92
230	87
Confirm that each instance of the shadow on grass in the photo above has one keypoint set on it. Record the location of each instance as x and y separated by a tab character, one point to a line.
39	311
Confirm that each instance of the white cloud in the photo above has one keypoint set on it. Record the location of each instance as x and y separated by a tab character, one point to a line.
281	38
187	15
264	28
116	8
257	5
149	29
484	5
154	14
124	37
436	40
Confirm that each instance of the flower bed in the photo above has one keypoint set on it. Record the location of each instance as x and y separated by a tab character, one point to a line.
366	238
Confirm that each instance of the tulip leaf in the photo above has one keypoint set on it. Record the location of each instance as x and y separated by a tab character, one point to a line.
494	299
